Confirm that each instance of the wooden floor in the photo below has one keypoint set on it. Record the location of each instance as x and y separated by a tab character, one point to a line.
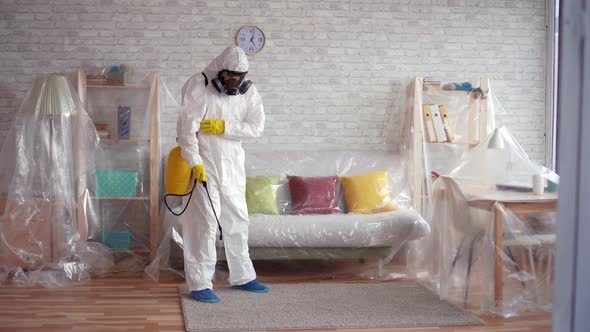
128	302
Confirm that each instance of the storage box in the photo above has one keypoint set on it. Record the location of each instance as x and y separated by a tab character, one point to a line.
116	78
116	183
117	239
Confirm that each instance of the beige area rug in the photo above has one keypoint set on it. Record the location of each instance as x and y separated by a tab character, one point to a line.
323	306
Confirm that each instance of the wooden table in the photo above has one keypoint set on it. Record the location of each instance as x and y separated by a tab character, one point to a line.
517	202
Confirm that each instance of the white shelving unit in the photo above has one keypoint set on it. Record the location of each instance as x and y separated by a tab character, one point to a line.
477	129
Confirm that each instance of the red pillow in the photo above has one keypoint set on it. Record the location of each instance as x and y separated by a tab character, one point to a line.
313	195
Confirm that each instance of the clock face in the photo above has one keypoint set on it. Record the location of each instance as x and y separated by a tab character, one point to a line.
251	39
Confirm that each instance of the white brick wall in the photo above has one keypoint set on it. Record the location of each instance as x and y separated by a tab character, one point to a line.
330	73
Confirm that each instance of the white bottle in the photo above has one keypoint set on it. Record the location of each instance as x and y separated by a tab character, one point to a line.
538	184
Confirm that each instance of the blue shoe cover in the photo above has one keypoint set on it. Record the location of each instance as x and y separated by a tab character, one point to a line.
205	295
252	286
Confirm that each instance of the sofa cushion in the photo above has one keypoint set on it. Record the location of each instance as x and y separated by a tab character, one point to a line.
367	193
261	194
313	195
262	161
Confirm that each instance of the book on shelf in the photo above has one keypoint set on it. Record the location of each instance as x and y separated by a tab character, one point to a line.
439	128
445	121
102	129
101	126
431	84
103	134
430	135
97	81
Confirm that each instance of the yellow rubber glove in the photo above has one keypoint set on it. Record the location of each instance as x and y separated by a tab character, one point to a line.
199	173
213	127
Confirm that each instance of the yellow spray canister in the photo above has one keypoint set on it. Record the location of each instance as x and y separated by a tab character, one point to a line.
178	173
177	180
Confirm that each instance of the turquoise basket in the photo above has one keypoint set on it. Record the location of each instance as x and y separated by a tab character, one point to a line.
116	183
117	239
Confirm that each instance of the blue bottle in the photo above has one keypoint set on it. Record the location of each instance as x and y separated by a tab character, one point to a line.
124	121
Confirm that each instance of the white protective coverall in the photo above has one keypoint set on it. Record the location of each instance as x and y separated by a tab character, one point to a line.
223	157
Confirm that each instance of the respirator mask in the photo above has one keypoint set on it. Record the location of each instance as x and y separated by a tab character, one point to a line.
232	82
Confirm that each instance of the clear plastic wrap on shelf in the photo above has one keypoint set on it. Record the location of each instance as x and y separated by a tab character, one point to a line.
493	229
40	241
444	120
122	196
467	178
318	214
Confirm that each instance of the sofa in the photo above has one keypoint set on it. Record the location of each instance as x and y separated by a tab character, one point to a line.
339	235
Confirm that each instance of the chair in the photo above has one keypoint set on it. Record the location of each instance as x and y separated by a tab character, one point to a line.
472	226
530	242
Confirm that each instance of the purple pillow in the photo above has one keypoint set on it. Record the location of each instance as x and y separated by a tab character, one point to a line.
313	195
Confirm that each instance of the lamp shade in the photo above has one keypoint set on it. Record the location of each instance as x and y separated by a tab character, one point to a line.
51	96
496	141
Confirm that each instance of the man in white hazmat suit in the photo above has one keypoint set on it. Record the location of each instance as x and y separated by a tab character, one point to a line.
219	109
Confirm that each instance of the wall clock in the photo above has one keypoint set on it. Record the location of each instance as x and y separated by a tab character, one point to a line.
251	39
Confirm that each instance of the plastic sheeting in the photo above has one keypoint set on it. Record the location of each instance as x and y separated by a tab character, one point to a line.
444	120
489	249
436	145
41	165
81	185
478	167
311	210
121	197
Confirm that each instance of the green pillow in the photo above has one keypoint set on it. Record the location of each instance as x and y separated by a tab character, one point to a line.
261	194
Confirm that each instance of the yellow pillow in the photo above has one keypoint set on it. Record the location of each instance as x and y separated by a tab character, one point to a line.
367	193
